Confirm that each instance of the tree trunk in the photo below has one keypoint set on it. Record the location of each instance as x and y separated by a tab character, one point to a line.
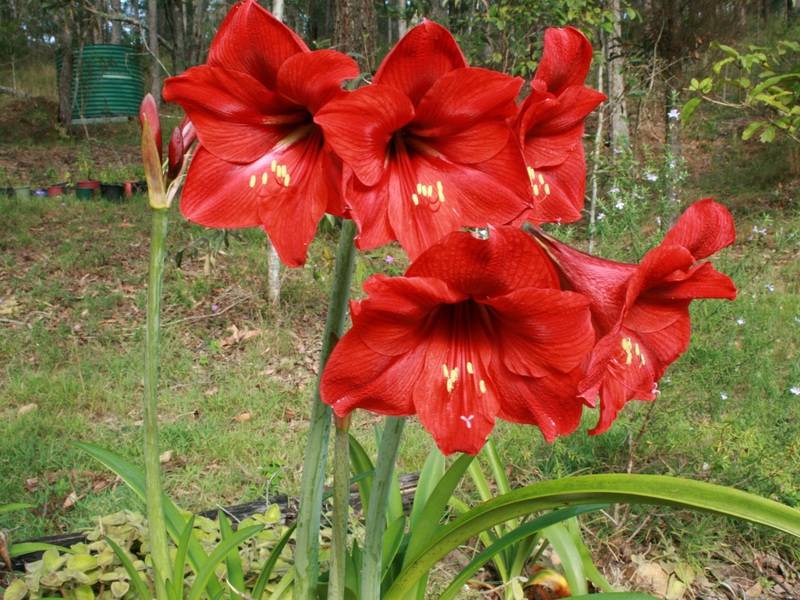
620	137
152	41
273	260
356	31
196	52
65	76
116	26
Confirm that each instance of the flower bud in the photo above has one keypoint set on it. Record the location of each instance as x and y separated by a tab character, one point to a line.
148	117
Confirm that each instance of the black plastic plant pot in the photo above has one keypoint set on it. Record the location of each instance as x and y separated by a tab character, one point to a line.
113	191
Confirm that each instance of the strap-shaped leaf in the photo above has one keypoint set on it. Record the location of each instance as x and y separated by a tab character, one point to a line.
217	556
525	530
657	490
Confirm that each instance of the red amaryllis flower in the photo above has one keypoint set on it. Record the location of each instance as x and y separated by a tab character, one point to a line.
262	159
641	311
476	329
427	147
549	124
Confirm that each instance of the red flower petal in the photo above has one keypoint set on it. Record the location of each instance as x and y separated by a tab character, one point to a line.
508	260
703	229
558	191
250	40
237	118
381	384
419	59
398	306
429	197
462	98
565	60
283	191
359	127
551	403
314	78
531	326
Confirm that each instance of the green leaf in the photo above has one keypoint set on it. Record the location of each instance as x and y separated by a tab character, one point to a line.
656	490
560	540
217	556
82	562
16	591
751	129
767	135
233	562
16	506
767	83
432	514
733	52
180	558
429	476
512	537
362	465
688	109
24	548
175	521
141	588
392	540
718	65
266	571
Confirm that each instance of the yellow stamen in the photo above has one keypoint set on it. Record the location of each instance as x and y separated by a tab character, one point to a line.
469	368
440	190
535	190
274	165
252	181
286	180
450	386
547	188
446	372
419	188
482	385
264	178
415	199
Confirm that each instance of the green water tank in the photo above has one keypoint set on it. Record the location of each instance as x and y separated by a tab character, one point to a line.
107	83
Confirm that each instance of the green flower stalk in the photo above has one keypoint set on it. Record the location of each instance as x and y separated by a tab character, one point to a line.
161	197
309	511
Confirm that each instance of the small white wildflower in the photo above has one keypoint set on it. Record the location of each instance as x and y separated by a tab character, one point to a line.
797	319
759	231
617	151
651	176
723	395
674	114
740	321
658	221
600	216
620	205
770	287
795	390
613	191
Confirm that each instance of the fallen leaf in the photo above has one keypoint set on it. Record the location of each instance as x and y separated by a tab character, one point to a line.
27	408
238	336
211	391
9	306
4	554
71	500
165	457
245	416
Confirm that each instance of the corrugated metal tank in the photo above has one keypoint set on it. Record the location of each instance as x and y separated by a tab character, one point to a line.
106	83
